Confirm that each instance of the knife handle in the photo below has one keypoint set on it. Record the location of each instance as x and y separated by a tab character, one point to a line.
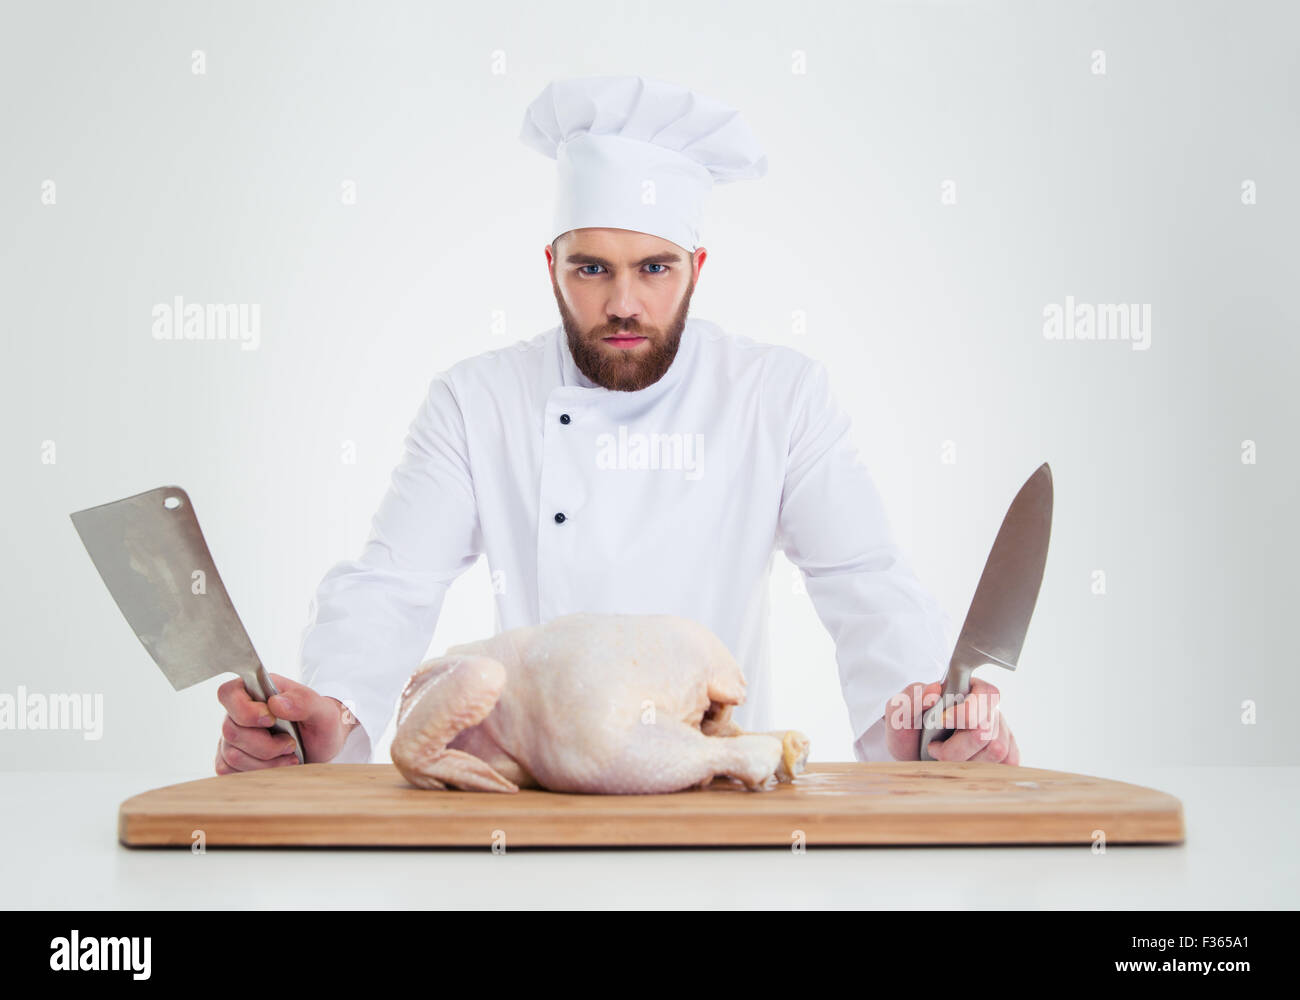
956	685
260	688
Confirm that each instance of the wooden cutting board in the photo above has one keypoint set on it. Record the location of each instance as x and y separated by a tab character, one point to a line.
905	802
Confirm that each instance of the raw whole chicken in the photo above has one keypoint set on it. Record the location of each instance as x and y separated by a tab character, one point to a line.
615	704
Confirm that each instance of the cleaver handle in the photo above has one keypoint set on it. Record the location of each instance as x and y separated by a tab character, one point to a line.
260	688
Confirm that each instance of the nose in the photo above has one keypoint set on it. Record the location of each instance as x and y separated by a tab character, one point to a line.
623	304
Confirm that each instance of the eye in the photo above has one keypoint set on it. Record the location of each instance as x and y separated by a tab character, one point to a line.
582	271
664	266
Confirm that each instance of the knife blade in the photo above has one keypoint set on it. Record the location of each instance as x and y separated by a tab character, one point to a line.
1004	600
151	554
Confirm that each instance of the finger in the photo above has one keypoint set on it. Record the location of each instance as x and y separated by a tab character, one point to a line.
241	707
961	745
1013	755
241	761
255	741
299	703
972	709
989	729
976	711
986	697
993	751
989	742
221	766
959	714
900	712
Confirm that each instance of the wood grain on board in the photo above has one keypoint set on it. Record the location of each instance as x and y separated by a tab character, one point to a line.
899	803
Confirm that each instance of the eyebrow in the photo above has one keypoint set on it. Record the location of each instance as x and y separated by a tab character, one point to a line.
665	257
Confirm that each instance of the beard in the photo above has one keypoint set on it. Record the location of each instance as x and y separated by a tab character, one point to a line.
624	369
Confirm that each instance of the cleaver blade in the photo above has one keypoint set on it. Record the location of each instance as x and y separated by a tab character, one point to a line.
150	550
1004	600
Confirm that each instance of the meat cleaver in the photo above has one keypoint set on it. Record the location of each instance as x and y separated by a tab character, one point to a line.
1004	600
152	555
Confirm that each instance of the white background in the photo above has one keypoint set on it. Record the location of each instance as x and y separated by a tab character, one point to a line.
1122	187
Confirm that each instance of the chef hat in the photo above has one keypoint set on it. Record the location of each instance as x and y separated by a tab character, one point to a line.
638	153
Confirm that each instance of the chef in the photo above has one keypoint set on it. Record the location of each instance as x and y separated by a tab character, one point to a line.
632	459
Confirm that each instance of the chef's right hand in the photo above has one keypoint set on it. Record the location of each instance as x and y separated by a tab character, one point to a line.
974	738
247	742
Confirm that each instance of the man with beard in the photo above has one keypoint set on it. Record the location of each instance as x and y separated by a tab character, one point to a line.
639	323
632	460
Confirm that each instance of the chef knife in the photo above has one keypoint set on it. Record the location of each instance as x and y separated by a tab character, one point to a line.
152	555
1004	600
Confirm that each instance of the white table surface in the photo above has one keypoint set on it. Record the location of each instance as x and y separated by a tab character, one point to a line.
61	851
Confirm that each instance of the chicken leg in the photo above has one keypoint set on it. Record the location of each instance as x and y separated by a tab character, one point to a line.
444	697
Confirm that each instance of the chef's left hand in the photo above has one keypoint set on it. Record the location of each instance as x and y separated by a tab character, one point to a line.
983	734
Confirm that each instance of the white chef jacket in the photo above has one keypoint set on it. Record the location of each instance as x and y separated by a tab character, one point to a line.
517	455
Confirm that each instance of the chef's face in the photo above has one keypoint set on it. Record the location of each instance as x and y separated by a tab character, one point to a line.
623	298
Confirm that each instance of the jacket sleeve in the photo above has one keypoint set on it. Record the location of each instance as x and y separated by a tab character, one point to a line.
372	618
889	630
